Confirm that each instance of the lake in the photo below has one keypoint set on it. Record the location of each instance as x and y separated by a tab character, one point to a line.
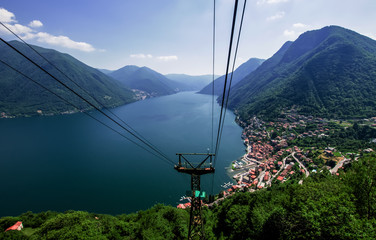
72	162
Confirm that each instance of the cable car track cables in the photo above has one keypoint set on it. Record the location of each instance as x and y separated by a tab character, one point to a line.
74	82
88	102
86	113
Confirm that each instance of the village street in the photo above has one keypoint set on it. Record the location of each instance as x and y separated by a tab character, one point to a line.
301	165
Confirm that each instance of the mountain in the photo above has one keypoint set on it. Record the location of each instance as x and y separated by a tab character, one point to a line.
192	83
19	96
105	71
147	80
330	72
242	71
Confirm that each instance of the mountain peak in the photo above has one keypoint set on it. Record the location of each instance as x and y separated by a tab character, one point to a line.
328	72
144	79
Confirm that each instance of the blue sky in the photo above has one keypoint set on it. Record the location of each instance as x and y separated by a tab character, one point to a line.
174	36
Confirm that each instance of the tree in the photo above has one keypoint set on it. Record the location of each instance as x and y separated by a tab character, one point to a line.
362	177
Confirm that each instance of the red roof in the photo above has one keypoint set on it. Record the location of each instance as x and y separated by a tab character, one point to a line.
16	226
280	178
181	206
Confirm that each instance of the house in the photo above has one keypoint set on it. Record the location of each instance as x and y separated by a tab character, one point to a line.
329	153
18	226
181	206
280	178
266	177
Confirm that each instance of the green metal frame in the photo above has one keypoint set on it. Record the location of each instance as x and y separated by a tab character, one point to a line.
196	225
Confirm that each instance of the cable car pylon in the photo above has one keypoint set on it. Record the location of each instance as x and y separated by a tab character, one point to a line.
196	225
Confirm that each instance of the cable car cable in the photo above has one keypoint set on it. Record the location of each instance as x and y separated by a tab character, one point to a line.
85	100
212	115
225	83
101	122
233	68
212	107
70	79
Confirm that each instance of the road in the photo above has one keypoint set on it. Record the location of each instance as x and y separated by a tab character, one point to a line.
339	164
301	165
280	170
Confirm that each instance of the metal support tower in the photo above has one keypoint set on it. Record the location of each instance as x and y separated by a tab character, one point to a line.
196	225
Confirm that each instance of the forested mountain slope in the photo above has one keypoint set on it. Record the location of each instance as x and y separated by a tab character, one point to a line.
145	79
20	96
328	72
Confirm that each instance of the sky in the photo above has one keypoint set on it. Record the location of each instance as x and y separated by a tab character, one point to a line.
174	36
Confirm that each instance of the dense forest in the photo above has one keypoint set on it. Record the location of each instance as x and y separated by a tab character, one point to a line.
20	96
328	72
323	207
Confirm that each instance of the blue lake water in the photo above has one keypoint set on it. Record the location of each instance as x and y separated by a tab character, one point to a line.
73	162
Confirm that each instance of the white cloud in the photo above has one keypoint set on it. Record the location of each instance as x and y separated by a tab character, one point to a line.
64	42
17	29
271	1
149	56
299	25
295	30
168	58
26	33
279	15
6	16
141	55
35	24
289	33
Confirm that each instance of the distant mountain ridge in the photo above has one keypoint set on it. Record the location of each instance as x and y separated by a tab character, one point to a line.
329	72
192	83
145	79
19	96
105	71
242	71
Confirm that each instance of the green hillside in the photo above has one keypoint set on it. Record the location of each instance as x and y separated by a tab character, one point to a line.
19	96
323	207
145	79
329	72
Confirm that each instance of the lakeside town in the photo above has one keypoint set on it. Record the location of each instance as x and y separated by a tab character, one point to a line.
272	158
274	152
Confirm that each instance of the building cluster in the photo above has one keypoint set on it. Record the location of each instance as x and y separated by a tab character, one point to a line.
4	115
270	156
